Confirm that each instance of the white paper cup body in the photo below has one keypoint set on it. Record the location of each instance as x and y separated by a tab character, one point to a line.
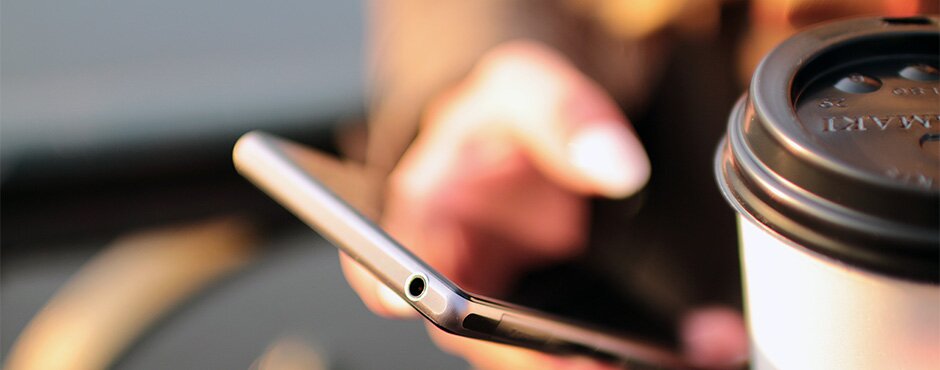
807	311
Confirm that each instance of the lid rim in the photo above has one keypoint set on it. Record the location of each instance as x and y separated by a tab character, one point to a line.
724	169
908	263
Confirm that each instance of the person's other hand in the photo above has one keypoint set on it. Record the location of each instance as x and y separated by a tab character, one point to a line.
496	184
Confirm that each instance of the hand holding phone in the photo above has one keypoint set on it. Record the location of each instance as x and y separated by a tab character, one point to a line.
289	173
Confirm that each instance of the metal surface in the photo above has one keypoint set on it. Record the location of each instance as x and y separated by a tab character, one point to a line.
835	145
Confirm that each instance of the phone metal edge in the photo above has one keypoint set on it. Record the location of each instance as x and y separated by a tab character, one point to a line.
260	157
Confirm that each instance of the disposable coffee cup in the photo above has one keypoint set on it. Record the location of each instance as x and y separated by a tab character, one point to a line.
832	162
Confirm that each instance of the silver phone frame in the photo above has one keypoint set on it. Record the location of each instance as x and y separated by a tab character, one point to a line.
272	164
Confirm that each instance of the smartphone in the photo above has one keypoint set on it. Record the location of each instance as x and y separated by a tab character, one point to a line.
287	172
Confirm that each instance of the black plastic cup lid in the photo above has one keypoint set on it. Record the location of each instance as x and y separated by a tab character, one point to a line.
836	146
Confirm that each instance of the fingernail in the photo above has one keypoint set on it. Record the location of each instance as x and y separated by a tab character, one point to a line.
610	155
393	303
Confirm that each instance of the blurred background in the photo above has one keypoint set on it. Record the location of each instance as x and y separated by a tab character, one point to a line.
127	240
116	126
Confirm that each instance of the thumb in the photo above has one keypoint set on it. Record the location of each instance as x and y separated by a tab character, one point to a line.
572	130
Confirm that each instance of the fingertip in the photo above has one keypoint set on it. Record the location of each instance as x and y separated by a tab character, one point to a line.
394	304
611	157
572	130
370	291
715	337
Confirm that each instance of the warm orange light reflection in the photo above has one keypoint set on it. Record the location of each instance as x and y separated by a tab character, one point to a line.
123	290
